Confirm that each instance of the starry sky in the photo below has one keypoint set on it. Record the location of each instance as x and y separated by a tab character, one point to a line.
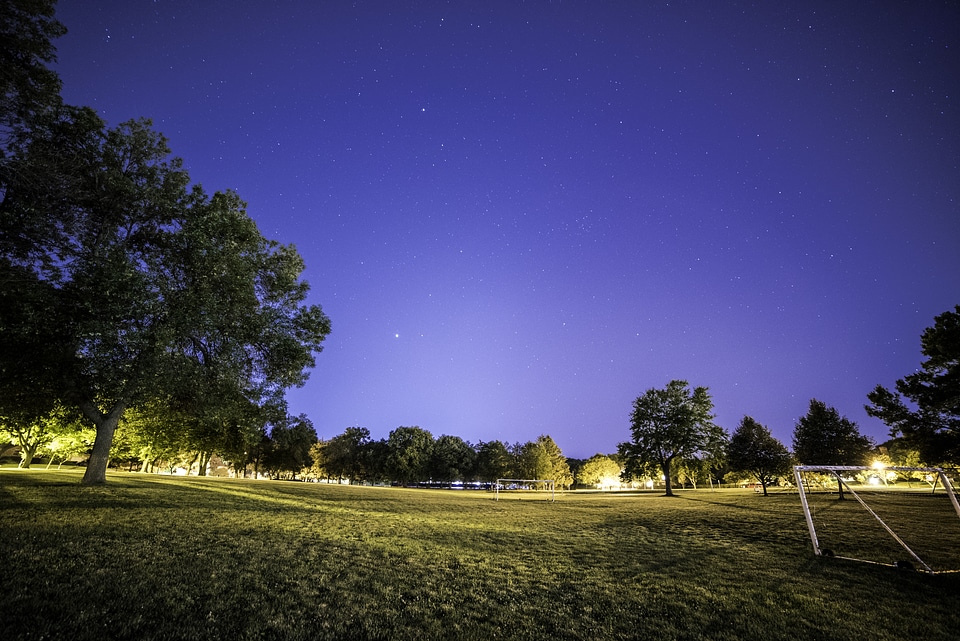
522	215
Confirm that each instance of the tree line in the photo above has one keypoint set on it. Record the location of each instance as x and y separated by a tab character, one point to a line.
411	455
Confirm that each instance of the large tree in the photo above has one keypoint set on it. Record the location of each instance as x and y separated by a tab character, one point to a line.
823	437
670	424
931	421
753	449
344	455
451	459
494	461
599	470
139	286
290	444
408	454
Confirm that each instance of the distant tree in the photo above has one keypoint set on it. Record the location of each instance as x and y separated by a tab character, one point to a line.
823	437
754	450
559	469
670	424
494	461
451	459
599	470
931	421
375	461
30	437
291	441
73	440
344	455
693	469
543	459
318	465
408	454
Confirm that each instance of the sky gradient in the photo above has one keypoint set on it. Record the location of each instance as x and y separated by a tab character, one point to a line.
522	215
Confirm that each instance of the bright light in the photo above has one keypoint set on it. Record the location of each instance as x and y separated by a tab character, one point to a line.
650	484
878	465
874	480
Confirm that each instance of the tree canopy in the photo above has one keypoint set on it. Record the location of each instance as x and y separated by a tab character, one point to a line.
823	437
670	424
753	449
931	421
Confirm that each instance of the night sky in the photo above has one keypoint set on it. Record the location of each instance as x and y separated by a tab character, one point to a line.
522	215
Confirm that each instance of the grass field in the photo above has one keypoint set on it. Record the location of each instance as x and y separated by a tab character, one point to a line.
151	557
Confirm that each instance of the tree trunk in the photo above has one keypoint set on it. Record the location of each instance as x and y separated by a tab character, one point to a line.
202	465
106	424
666	479
27	452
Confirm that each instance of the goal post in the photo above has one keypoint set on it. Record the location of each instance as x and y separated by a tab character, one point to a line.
935	475
548	484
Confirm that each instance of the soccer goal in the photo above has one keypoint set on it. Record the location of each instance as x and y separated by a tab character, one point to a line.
525	485
903	517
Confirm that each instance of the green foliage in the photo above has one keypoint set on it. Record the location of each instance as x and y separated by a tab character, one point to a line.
451	459
599	470
408	454
494	461
27	85
669	425
754	450
139	289
823	437
290	445
344	456
932	425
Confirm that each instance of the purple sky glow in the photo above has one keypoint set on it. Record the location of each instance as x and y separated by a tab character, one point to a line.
522	215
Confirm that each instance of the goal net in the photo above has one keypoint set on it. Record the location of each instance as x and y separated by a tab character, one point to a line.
540	486
904	517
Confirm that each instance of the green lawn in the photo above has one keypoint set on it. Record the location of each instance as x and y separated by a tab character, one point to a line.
151	557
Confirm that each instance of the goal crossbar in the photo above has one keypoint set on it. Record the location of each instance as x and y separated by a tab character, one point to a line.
551	484
834	470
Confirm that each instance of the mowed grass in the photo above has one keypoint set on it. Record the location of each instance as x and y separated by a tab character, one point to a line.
151	557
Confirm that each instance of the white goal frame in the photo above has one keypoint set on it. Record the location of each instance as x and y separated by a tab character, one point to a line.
835	470
551	485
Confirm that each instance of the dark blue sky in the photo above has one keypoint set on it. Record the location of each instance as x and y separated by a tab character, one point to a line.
522	215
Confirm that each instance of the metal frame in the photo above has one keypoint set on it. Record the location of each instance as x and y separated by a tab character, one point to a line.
835	470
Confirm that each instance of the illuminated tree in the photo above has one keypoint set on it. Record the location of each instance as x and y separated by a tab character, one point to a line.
599	470
543	459
668	425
